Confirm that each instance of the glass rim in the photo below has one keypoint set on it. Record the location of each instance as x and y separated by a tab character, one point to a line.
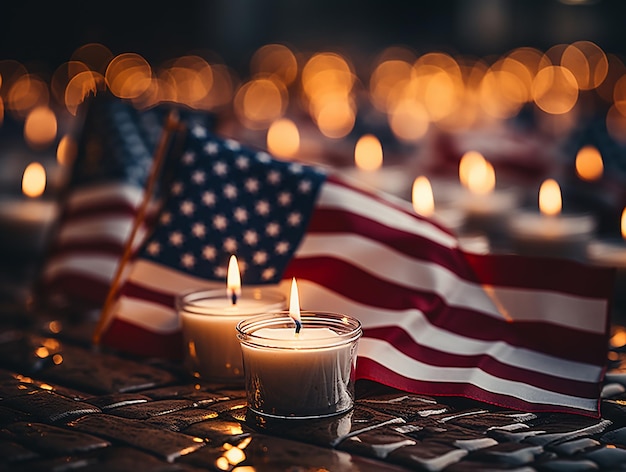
346	329
188	302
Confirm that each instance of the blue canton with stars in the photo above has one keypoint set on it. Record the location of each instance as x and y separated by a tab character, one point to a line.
227	199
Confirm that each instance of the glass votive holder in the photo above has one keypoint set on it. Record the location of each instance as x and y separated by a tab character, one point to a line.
291	375
209	321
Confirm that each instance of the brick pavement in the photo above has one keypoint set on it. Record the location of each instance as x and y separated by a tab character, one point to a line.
64	406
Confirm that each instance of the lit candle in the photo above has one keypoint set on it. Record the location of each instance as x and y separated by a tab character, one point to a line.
423	201
551	233
209	321
26	221
369	169
611	252
299	373
485	206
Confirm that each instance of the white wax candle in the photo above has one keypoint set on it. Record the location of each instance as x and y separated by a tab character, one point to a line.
562	235
209	330
309	374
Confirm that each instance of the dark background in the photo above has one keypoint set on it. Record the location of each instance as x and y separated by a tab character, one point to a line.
46	32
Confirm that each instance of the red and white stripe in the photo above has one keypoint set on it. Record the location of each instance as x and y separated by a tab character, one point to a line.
522	333
90	241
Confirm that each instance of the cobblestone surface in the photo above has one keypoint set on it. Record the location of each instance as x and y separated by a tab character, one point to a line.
65	406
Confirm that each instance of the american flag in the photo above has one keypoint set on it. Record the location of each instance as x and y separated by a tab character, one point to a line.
522	333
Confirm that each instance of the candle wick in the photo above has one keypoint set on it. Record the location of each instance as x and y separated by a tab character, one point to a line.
233	297
298	326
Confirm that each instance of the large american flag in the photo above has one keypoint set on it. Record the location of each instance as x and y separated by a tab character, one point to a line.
522	333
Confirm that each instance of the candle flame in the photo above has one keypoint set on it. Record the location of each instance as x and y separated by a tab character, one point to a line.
589	164
550	201
294	305
368	153
34	180
422	196
467	162
233	280
623	223
481	178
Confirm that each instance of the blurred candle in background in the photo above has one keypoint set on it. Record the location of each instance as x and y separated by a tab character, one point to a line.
369	168
26	220
549	232
485	206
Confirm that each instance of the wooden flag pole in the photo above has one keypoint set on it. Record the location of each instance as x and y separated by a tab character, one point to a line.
172	122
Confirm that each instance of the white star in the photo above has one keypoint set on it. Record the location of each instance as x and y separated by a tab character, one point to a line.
260	257
241	214
219	222
220	272
268	273
230	245
251	237
272	229
198	177
187	208
208	198
176	238
198	230
154	248
188	158
187	260
294	218
177	188
273	177
230	191
281	247
252	185
262	207
166	218
305	186
220	168
211	148
232	145
242	162
209	253
263	157
198	131
284	198
295	168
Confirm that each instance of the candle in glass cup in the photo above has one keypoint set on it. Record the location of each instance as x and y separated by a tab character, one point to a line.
299	365
209	319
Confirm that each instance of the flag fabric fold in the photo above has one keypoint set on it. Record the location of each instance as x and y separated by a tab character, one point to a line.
522	333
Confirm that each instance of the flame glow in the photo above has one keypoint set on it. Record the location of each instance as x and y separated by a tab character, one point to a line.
422	196
589	164
368	153
294	302
34	180
623	223
481	178
283	138
550	200
233	280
